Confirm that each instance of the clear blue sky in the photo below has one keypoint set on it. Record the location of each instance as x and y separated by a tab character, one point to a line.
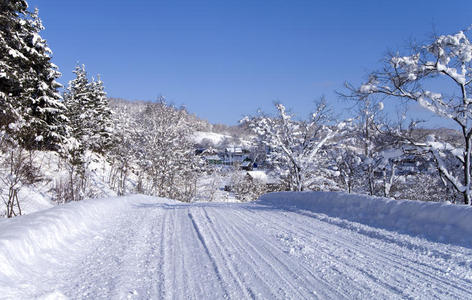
226	59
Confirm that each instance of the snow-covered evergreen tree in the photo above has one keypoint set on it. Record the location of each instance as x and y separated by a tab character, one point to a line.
101	137
31	112
77	99
12	60
89	113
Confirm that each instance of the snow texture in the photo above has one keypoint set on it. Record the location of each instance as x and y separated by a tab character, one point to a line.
218	139
443	222
213	138
285	246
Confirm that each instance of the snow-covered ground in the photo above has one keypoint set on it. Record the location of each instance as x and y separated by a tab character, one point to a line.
211	137
54	174
285	246
216	139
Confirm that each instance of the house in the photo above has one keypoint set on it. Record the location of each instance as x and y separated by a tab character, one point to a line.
234	155
213	159
247	164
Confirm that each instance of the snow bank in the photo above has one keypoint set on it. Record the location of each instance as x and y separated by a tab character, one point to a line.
441	222
23	238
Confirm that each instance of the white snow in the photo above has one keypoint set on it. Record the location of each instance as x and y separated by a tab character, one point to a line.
214	138
285	246
41	195
381	105
211	188
409	64
368	88
15	54
262	176
438	221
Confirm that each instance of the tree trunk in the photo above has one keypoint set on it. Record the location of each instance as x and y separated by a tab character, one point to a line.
466	193
371	180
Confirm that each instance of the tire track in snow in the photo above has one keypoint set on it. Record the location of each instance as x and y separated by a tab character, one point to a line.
392	262
168	267
189	251
380	249
209	255
353	263
162	278
320	287
187	286
260	265
354	274
287	269
225	258
243	263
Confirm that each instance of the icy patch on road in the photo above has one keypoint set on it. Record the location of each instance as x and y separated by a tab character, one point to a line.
442	222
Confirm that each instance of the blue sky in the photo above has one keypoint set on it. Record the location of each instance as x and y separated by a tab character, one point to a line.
226	59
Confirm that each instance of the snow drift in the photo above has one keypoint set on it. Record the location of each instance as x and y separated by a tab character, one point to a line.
24	237
441	222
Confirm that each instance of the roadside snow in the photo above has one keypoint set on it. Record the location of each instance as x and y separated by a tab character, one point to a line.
442	222
24	238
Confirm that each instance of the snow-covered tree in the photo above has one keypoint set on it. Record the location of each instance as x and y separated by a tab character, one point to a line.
349	164
31	112
101	137
164	152
245	187
124	151
295	147
89	113
90	123
77	99
369	136
415	77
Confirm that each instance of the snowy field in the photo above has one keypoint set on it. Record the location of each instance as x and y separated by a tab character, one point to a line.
285	246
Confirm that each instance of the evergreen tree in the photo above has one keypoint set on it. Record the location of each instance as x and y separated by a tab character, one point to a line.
102	132
11	61
31	111
89	113
77	101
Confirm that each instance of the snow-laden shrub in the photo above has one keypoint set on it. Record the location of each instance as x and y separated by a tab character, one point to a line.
245	187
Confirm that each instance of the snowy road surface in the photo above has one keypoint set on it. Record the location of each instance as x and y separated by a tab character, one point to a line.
160	249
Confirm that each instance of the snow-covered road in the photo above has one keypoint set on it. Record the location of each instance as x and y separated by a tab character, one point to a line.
168	250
